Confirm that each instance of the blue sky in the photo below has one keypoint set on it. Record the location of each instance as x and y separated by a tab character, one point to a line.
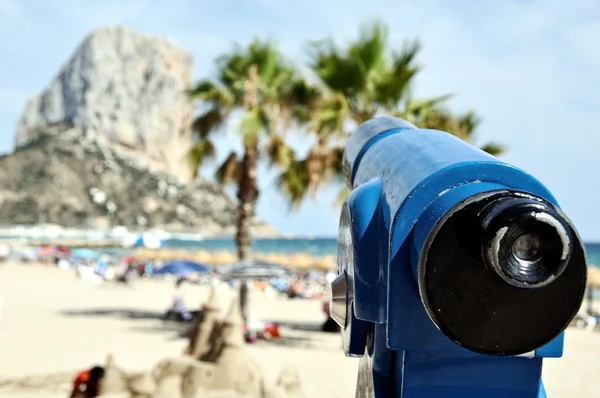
531	69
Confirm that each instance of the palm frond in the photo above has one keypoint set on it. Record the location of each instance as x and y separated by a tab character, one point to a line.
330	118
415	111
202	151
229	171
341	197
467	124
253	123
335	69
278	152
209	121
303	100
303	93
369	50
493	149
366	74
392	85
293	183
437	119
210	92
272	68
336	163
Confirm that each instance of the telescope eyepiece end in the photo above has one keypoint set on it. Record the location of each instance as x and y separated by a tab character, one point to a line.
525	242
502	273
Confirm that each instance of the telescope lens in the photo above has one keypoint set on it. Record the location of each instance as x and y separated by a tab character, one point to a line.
526	243
526	247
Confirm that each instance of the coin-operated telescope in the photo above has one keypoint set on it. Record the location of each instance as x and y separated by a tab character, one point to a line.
457	272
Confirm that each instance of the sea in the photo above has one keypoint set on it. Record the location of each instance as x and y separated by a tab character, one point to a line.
313	246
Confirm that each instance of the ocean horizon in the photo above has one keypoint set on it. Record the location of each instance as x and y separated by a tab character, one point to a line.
321	246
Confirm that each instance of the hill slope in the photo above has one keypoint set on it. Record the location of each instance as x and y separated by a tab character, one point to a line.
64	180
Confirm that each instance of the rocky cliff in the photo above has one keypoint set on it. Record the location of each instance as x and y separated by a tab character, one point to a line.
124	90
77	183
105	144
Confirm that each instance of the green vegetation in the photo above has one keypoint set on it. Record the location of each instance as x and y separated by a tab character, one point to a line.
353	84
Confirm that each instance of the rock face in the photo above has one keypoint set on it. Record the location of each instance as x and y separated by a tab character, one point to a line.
123	90
68	181
106	144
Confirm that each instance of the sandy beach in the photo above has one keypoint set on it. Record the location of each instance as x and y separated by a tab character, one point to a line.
54	324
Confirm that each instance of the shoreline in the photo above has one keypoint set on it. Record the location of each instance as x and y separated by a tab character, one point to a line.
50	234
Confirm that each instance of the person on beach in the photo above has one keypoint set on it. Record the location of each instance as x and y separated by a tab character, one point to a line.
178	292
297	289
178	308
87	383
329	326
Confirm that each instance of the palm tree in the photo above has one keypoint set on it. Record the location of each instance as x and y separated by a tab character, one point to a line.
257	83
359	82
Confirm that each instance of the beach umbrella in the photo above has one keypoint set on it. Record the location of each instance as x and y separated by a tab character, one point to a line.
160	255
201	256
129	259
248	270
147	240
593	276
147	254
222	257
62	249
111	252
261	256
253	269
593	283
171	255
85	254
182	254
47	251
326	263
143	253
300	260
182	268
277	258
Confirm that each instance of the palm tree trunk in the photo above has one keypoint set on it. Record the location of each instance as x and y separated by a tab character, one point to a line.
247	195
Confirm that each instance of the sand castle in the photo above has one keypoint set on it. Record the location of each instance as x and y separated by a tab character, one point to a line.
216	364
204	328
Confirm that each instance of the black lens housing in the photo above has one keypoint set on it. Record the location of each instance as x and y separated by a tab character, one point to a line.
526	242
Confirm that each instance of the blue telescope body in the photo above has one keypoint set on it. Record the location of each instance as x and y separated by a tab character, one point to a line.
457	272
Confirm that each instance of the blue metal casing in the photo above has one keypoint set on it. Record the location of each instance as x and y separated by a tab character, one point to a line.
396	200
